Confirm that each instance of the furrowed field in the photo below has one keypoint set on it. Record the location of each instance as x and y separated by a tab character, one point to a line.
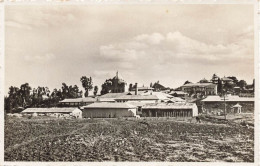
41	139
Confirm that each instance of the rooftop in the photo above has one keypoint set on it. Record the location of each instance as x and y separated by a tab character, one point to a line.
79	100
226	79
113	95
137	97
160	95
49	110
110	105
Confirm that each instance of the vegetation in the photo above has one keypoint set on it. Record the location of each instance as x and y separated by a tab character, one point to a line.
44	139
87	84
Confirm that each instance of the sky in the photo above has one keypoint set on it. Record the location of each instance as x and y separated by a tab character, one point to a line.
48	45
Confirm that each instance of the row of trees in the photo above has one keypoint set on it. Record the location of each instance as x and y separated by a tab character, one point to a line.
26	96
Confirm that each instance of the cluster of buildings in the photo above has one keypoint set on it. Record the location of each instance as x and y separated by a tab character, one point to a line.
146	102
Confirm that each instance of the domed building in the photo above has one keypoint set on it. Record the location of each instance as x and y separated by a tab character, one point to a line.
118	84
114	85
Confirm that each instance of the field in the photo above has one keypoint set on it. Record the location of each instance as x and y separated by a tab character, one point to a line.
42	139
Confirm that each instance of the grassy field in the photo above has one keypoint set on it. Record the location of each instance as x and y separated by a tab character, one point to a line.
41	139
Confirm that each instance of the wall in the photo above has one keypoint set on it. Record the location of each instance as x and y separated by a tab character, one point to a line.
247	107
169	112
108	112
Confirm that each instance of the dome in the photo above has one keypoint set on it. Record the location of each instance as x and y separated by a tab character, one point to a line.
119	78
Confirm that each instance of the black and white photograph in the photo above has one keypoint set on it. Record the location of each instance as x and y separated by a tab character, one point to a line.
111	82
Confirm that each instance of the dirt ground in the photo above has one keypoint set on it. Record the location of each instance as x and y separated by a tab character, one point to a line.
48	139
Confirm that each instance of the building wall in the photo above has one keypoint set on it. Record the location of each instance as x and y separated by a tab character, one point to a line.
108	112
169	112
247	107
208	90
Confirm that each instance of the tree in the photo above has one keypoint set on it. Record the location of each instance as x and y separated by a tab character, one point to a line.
130	87
151	85
95	90
25	94
219	87
86	84
106	86
187	82
234	79
242	83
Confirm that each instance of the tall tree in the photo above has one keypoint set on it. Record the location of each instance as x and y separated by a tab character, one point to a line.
25	94
241	83
106	86
95	90
86	84
186	82
219	87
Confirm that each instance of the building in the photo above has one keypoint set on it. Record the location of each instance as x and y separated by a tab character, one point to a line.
214	79
139	98
213	104
204	80
77	102
114	85
180	94
203	88
160	95
109	110
170	110
226	80
75	112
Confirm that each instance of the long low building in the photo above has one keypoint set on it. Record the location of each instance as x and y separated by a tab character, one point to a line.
216	103
178	109
50	111
77	102
109	110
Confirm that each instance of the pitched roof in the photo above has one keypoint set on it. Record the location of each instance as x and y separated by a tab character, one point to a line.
110	105
113	95
144	88
177	92
50	110
79	100
226	79
160	95
228	99
236	106
199	85
169	106
137	97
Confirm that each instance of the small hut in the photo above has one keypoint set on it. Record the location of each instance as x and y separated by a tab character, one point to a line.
237	108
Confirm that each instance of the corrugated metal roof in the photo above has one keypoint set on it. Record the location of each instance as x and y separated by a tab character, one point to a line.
136	103
110	105
79	100
169	106
226	79
177	92
49	110
228	98
113	95
160	95
137	97
237	105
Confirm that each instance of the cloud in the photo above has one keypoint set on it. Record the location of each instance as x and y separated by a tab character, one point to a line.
174	47
154	38
40	58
